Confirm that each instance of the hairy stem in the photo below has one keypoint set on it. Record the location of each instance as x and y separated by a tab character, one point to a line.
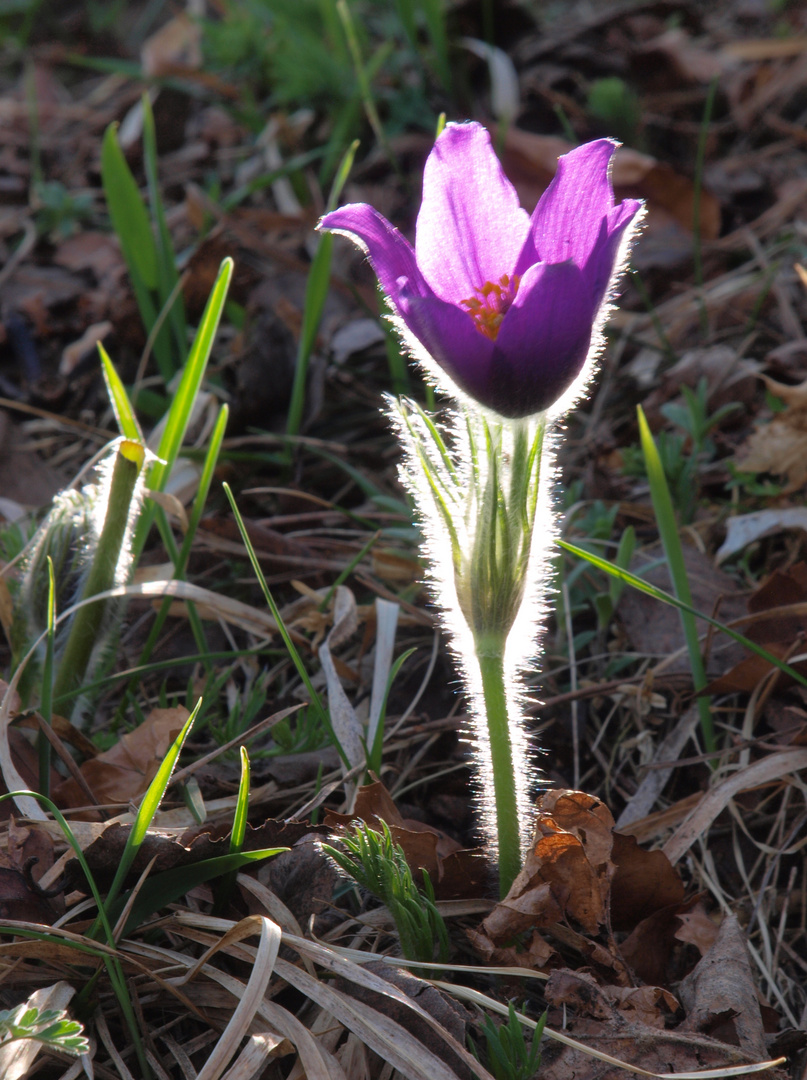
505	788
88	620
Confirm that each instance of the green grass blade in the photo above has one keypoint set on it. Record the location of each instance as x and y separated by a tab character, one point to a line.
635	582
74	844
182	405
46	696
342	173
296	659
119	399
671	541
148	808
374	752
167	276
241	806
168	887
127	210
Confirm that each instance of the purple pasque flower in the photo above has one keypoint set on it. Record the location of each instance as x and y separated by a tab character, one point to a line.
509	306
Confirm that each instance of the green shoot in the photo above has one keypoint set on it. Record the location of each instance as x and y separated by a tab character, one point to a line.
668	530
509	1056
666	598
376	863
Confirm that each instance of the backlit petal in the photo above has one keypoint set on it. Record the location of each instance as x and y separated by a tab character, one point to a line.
566	222
601	267
391	254
543	342
470	228
450	337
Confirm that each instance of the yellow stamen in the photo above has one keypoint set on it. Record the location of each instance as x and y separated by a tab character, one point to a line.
489	307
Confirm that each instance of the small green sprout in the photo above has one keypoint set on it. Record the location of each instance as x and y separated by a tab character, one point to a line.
509	1056
376	863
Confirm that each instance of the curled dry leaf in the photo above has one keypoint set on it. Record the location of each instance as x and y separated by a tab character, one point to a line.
719	995
780	447
580	871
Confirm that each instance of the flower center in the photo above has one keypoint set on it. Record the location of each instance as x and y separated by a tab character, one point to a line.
490	305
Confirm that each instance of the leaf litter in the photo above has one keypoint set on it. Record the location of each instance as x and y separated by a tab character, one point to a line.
674	941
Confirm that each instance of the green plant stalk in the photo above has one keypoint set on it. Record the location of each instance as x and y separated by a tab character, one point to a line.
88	619
490	655
46	697
671	541
363	80
181	561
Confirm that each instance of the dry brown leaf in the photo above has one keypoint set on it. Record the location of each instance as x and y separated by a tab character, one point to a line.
124	772
697	928
779	634
175	47
719	995
780	447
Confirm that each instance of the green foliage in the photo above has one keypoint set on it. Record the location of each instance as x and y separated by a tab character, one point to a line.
671	541
374	861
509	1057
299	734
60	213
682	453
612	101
373	56
51	1027
146	245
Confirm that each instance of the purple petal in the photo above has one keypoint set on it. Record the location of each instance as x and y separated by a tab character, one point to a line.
470	228
451	338
391	255
543	342
566	222
599	269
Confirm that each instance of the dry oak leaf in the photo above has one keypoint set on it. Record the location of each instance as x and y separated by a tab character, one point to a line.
567	871
579	869
125	771
719	995
780	447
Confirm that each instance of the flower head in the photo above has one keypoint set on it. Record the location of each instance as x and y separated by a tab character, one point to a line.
509	306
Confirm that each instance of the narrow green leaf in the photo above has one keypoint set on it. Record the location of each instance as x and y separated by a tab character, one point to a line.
119	399
671	541
182	404
127	210
666	598
163	889
148	808
241	807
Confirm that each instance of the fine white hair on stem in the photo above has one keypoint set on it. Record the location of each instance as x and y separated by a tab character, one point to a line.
445	497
